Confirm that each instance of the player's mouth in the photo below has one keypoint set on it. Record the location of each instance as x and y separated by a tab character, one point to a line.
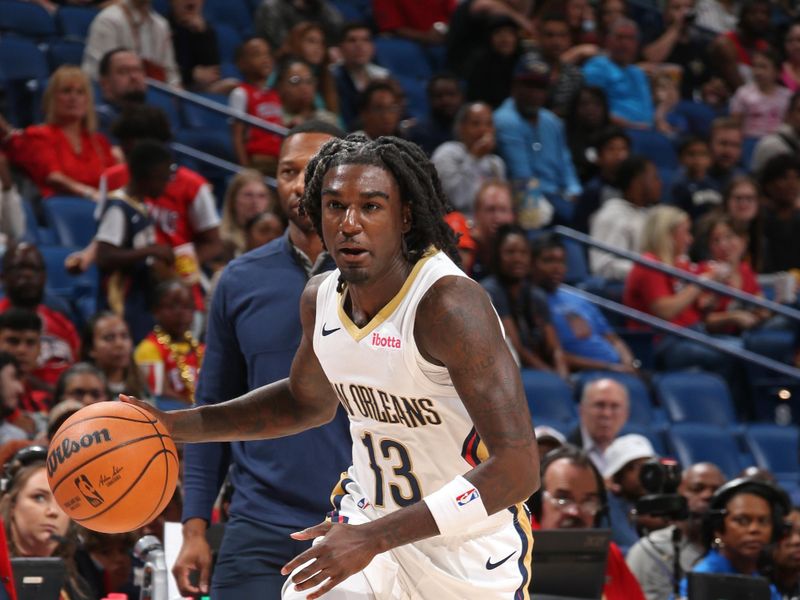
352	253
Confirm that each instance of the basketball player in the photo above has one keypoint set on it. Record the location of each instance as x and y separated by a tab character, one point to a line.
443	447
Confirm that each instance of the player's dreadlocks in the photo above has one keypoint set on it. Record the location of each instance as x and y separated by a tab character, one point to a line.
416	177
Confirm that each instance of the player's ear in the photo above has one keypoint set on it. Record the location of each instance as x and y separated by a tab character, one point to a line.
406	218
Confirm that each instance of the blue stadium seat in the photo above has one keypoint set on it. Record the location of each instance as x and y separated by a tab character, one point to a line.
699	115
215	142
655	146
402	57
697	397
235	13
642	411
61	283
65	52
776	448
549	397
73	21
416	95
27	19
765	384
72	219
228	40
23	74
698	442
354	10
166	103
748	146
199	117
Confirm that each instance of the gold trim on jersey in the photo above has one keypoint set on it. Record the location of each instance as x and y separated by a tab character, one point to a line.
359	333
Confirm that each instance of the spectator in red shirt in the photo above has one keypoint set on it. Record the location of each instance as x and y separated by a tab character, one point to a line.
66	155
726	246
666	238
254	147
423	22
185	215
24	280
573	496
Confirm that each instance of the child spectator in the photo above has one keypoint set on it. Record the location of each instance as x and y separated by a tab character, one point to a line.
169	356
20	336
262	229
609	149
127	253
694	191
65	155
106	343
761	105
726	246
247	196
666	97
254	147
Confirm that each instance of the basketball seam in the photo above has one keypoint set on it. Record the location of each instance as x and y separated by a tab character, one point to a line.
53	488
125	493
94	417
166	469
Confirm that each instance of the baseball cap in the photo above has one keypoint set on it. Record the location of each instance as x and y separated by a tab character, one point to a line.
530	67
625	449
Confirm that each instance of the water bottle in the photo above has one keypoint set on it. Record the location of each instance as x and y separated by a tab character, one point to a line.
154	575
529	217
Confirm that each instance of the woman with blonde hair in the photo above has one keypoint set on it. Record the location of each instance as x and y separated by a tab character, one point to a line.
65	155
247	195
666	238
35	525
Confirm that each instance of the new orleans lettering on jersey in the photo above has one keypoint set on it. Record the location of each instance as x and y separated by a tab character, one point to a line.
386	407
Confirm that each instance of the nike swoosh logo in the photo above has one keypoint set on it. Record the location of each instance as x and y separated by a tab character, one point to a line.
490	565
329	331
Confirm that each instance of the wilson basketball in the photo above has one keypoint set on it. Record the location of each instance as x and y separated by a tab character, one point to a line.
112	467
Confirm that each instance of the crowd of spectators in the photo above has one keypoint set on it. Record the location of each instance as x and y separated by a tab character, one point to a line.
670	130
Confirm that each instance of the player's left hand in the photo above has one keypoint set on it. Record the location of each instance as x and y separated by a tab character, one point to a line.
345	550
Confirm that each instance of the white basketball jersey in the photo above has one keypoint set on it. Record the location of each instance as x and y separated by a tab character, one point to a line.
411	432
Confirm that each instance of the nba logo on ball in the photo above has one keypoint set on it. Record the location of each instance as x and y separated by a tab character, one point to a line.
467	497
112	467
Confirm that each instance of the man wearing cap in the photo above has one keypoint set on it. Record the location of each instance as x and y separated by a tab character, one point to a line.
531	139
603	412
651	559
624	459
548	438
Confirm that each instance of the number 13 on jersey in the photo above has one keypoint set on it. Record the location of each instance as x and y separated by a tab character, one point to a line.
396	458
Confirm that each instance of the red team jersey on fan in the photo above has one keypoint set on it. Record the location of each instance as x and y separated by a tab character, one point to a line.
186	208
265	104
60	342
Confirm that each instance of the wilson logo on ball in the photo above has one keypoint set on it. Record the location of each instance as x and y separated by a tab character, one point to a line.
61	453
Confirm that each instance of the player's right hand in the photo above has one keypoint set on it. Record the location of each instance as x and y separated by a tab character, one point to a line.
195	555
165	418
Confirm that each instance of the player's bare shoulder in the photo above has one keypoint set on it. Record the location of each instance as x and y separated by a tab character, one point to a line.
454	310
308	300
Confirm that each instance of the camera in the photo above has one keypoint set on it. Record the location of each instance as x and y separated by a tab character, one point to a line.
689	17
660	477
